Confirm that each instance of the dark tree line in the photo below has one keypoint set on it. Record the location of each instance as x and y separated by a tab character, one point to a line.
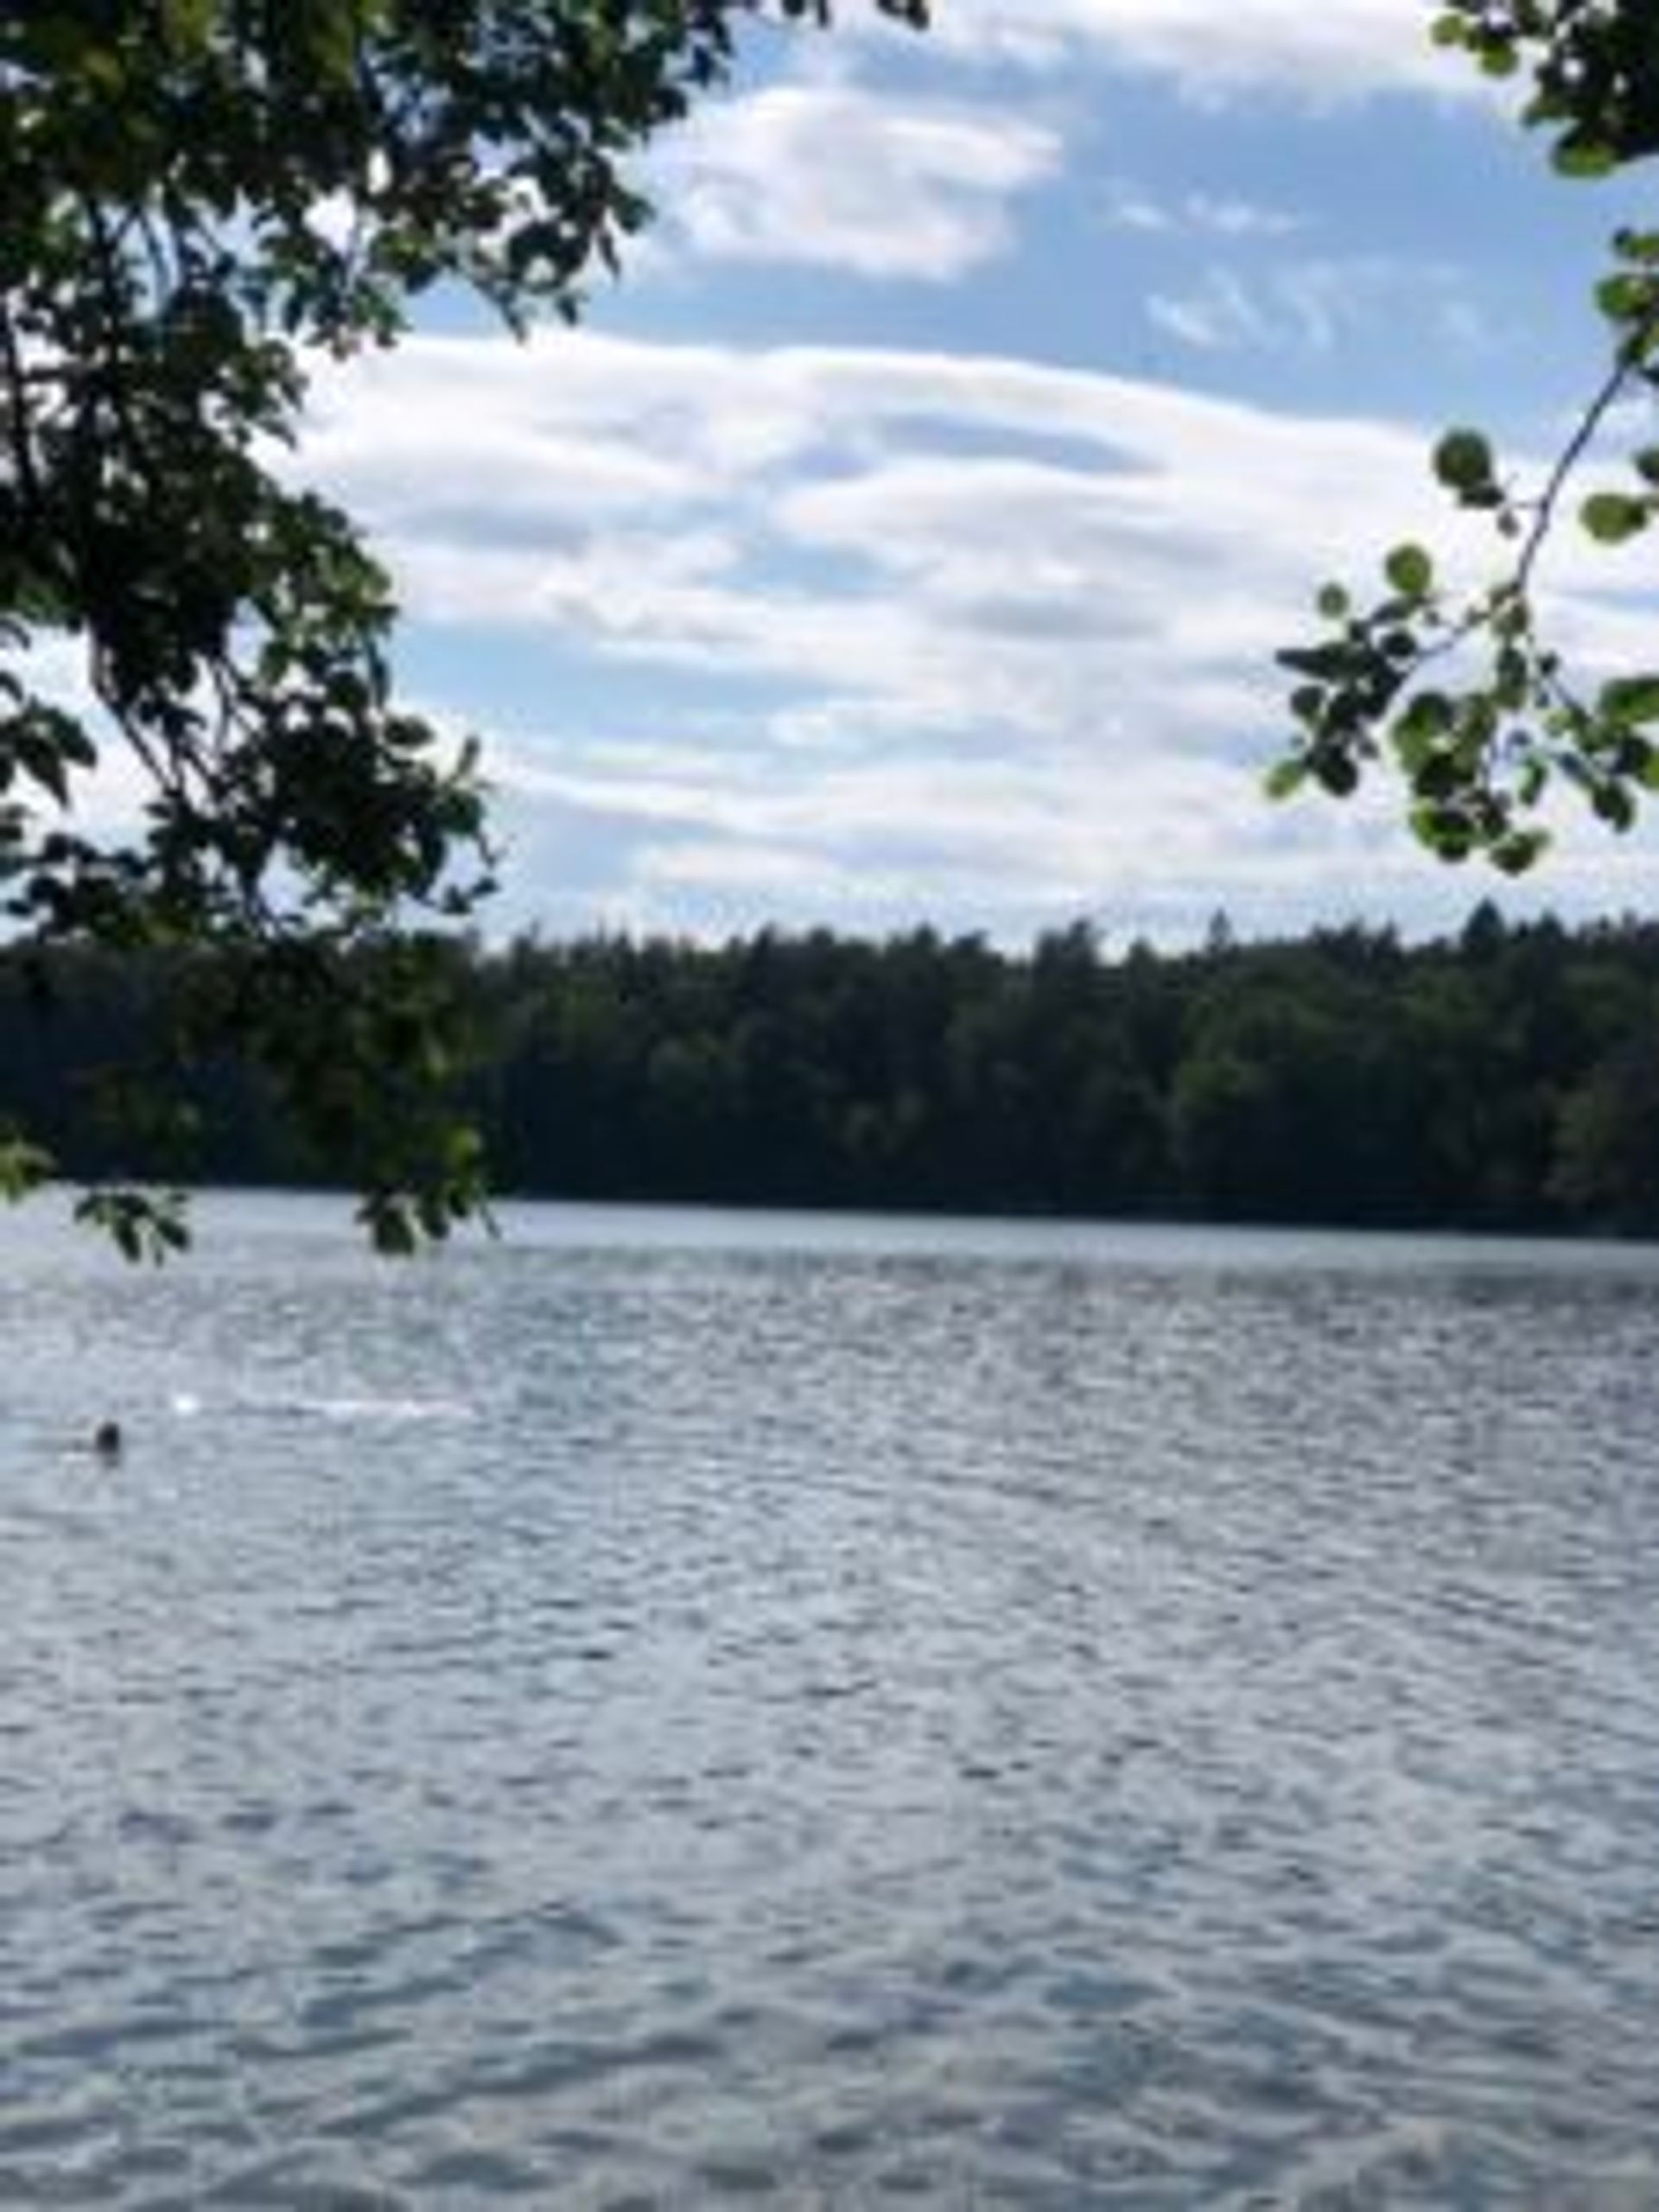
1506	1079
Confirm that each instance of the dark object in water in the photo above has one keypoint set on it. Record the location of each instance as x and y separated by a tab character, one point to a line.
107	1440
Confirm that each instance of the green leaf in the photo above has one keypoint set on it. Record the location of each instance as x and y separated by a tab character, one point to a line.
1626	296
24	1168
1584	157
1409	571
144	1225
1463	461
1308	703
1518	850
1630	699
1444	830
187	24
1612	516
1285	777
1511	679
1429	714
1326	663
1614	804
1438	774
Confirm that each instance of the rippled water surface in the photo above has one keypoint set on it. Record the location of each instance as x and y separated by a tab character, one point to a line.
670	1710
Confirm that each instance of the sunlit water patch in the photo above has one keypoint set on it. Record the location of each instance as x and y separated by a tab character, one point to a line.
676	1709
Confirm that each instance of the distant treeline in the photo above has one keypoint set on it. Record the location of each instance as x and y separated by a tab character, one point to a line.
1506	1079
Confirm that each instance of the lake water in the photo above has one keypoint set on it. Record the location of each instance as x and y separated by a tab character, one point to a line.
676	1709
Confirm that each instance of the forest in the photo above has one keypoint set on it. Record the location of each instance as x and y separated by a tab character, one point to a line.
1507	1079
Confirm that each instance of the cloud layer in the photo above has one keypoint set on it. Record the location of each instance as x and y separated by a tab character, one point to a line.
1290	48
873	632
920	633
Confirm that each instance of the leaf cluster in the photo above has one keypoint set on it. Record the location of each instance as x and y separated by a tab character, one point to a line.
1466	693
1594	67
202	198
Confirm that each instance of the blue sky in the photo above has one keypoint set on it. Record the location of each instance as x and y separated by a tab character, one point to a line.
907	538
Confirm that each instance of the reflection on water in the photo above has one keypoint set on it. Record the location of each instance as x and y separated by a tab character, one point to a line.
670	1709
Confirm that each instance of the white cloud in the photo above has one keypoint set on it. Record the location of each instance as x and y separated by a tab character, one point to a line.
829	175
967	636
1337	50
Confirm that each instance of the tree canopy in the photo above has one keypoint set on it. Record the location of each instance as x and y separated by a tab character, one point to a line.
1506	1079
200	198
1471	695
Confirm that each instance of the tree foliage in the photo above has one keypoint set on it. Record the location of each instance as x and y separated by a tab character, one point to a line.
1506	1079
1471	695
197	199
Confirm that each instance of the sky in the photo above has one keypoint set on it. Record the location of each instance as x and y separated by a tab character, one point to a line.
905	537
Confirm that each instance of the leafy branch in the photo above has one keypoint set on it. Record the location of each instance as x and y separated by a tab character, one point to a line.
1467	695
170	172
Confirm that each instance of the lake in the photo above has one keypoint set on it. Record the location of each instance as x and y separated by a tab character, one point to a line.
672	1709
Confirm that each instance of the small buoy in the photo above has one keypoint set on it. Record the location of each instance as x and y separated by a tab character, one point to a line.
107	1439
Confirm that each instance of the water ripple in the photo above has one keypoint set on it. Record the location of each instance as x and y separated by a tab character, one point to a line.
648	1716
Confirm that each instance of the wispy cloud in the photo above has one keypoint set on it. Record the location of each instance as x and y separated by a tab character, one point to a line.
1342	49
1126	206
1310	305
1218	314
